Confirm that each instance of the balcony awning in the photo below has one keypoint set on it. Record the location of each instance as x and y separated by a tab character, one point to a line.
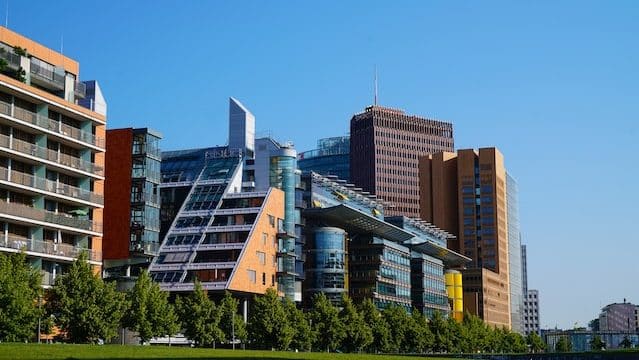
353	220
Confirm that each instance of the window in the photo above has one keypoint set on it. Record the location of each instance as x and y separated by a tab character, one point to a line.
251	276
263	278
264	237
271	220
262	257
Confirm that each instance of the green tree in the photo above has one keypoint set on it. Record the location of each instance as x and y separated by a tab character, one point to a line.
269	326
302	334
441	336
454	335
516	343
199	316
399	323
596	344
326	324
625	343
418	336
231	323
378	325
475	335
535	343
563	345
20	292
86	308
358	333
149	313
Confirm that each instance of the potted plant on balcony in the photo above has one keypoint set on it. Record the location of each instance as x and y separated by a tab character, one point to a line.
20	51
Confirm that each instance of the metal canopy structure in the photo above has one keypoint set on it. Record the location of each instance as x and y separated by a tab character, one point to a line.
353	220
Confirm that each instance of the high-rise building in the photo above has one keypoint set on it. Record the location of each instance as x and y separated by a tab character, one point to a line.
132	202
51	161
465	193
386	145
332	157
514	255
531	315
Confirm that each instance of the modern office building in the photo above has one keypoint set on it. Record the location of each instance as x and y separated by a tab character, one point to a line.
386	145
331	157
465	193
132	202
531	314
514	256
51	161
619	317
352	248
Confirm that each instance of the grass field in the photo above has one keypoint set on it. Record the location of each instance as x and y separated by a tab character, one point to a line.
60	351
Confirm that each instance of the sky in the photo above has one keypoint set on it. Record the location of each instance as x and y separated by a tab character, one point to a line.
552	84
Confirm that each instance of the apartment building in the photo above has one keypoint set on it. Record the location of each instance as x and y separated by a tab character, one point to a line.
52	153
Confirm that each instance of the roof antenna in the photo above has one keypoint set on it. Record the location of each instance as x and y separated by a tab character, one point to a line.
375	100
62	44
6	19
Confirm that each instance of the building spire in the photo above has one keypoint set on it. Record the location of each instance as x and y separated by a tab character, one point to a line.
375	98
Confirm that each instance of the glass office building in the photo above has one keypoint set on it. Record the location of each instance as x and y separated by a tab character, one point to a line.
330	158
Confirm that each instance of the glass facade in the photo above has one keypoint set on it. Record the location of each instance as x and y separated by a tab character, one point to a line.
327	267
514	256
428	285
332	157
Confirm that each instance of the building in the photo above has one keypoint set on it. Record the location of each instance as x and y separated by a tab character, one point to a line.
514	256
386	145
132	202
619	317
332	157
580	339
531	316
465	193
352	248
51	161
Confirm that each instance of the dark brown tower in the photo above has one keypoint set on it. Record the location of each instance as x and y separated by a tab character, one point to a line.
386	145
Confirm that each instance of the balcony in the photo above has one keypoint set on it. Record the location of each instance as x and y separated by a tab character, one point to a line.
47	248
47	77
145	198
13	60
32	149
27	212
50	186
51	125
145	248
80	89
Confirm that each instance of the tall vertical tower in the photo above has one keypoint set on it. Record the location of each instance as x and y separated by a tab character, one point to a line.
465	194
514	255
51	159
241	128
385	148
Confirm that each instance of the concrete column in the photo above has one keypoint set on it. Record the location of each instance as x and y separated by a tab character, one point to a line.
245	310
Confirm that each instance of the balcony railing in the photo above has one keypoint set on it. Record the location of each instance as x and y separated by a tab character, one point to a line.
48	248
13	60
24	211
48	76
28	148
80	89
145	248
49	185
51	125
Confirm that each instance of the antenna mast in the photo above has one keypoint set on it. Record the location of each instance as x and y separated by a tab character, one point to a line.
6	19
375	99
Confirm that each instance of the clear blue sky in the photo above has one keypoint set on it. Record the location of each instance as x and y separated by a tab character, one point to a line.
553	84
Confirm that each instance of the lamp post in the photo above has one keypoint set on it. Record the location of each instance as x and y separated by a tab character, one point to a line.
39	316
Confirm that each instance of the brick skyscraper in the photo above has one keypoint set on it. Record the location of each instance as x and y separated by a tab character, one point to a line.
386	145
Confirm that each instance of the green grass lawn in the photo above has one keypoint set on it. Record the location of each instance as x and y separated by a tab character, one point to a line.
60	351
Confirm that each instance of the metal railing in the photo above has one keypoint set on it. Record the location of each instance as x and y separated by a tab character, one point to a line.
51	125
28	212
49	185
28	148
48	247
48	75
